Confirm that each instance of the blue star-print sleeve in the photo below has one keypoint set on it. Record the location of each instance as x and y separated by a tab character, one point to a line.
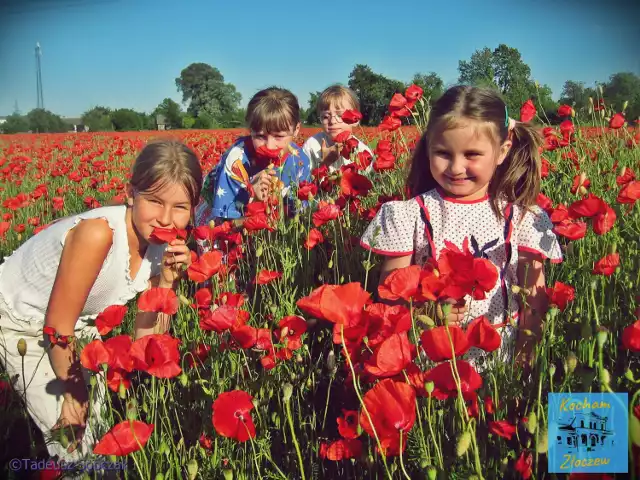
230	188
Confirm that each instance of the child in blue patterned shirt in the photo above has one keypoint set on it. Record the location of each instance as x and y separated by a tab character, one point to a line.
254	163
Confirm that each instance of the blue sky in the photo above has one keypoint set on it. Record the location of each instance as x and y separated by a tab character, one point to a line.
122	53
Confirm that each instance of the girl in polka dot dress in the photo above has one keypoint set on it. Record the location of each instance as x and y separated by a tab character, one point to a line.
475	174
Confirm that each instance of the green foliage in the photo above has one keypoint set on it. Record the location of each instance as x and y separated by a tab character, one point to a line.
203	86
204	122
172	113
623	87
15	123
125	120
374	92
98	119
431	84
188	121
577	95
311	115
44	121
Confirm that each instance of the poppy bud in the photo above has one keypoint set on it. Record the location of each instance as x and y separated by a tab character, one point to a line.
159	476
613	248
515	289
184	380
164	448
330	264
122	391
432	472
591	101
228	474
299	358
605	377
552	369
634	427
63	439
625	105
162	391
428	321
92	379
601	336
184	300
628	374
532	422
571	362
429	386
331	361
600	89
287	391
543	440
192	468
132	409
145	407
19	237
463	443
582	190
259	251
22	347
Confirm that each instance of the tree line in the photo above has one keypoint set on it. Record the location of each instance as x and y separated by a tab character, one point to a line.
213	103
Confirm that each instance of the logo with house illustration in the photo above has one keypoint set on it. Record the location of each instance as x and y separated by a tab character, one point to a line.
588	432
585	432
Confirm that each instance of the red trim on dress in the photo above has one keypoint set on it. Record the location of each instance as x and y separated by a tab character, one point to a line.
385	252
448	198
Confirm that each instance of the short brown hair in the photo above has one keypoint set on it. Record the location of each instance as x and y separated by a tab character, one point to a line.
334	94
167	161
273	109
517	179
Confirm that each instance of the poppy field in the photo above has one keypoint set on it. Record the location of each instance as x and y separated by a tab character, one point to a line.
281	363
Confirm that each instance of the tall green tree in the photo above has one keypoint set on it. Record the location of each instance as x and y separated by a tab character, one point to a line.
98	119
577	95
15	123
311	117
204	88
431	84
171	111
128	120
44	121
623	87
374	92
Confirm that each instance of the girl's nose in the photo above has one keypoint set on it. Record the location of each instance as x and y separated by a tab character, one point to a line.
272	143
457	167
165	217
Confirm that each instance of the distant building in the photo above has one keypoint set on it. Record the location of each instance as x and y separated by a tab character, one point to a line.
161	122
2	120
75	125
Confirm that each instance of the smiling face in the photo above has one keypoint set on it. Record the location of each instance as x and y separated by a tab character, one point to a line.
464	159
274	140
168	206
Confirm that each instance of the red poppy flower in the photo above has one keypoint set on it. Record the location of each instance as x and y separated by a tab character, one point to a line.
110	318
631	337
567	128
413	93
313	238
93	355
117	377
306	189
444	383
341	449
481	334
527	111
488	405
351	116
311	303
565	110
390	123
124	438
607	265
290	332
208	264
119	348
627	175
559	214
384	161
392	409
399	107
523	465
156	299
560	295
258	222
502	428
381	321
325	214
343	304
157	354
232	415
437	345
353	184
265	277
571	230
617	121
225	317
402	283
166	235
629	193
587	207
202	298
348	424
390	357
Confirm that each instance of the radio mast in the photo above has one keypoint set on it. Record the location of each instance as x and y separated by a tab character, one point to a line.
40	101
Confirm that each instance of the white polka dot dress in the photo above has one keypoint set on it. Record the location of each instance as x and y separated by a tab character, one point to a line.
400	228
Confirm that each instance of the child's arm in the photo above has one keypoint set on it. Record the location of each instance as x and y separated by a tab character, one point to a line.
531	277
85	249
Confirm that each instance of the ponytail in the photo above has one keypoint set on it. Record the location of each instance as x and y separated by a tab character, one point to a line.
419	179
517	179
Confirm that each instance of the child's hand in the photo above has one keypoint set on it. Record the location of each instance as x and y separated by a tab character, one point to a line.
329	154
456	314
262	182
176	257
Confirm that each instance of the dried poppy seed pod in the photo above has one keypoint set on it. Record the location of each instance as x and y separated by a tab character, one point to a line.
22	347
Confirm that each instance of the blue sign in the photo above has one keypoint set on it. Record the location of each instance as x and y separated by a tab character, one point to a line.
588	432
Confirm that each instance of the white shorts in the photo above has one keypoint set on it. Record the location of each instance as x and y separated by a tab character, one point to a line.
43	390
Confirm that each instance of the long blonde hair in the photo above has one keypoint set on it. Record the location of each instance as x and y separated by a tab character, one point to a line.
517	179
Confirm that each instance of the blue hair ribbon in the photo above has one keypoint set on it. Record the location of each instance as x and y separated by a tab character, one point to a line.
506	116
